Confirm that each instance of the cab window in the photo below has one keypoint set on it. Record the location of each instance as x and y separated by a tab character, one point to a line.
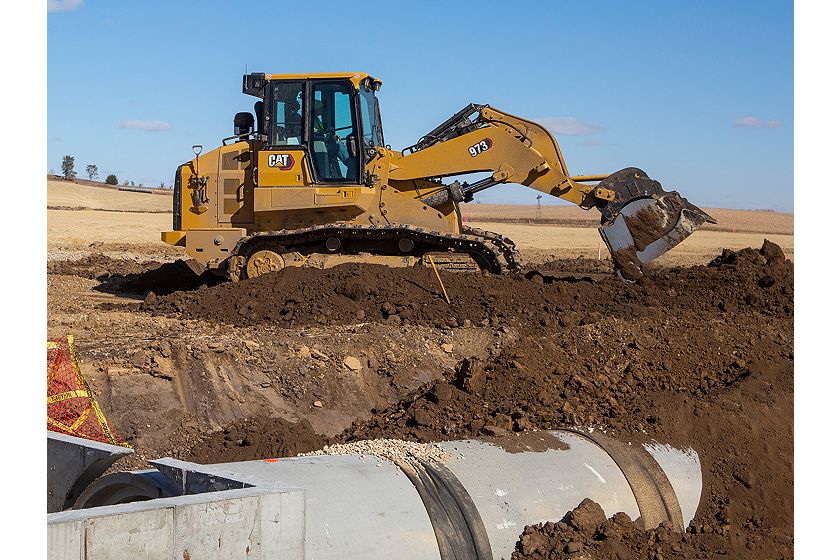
287	114
371	125
334	131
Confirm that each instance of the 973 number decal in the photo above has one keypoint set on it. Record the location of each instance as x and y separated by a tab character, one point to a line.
480	147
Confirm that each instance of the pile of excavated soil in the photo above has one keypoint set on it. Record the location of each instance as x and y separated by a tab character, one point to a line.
260	437
699	356
364	293
164	279
585	532
703	359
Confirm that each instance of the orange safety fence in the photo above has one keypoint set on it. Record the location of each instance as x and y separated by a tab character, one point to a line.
71	407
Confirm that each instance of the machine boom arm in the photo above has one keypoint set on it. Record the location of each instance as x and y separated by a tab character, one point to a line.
640	220
515	150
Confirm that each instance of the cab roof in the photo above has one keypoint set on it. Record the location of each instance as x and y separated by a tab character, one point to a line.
355	77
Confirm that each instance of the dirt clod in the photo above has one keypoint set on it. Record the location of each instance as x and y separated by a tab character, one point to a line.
257	437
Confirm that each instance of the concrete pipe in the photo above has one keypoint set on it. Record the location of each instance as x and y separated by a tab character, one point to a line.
124	488
475	498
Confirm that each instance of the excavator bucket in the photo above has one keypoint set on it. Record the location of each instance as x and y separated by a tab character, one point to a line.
644	221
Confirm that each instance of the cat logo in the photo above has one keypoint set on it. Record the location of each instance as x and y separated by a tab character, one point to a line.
283	162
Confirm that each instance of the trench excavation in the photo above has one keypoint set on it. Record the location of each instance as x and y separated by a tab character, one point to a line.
698	358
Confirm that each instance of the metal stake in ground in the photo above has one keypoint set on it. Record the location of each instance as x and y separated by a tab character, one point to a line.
442	287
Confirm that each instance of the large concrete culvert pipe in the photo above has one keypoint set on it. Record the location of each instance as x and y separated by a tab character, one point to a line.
460	500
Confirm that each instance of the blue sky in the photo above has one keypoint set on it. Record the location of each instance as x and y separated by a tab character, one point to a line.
698	94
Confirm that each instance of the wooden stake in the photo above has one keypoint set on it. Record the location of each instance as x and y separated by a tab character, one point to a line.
442	287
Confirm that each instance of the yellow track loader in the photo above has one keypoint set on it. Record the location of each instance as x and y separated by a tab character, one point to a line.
307	180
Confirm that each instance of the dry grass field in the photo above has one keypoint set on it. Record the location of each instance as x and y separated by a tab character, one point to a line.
744	221
65	194
546	242
114	217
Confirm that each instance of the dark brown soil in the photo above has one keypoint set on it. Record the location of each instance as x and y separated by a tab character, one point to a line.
699	356
585	532
363	293
159	279
258	437
703	357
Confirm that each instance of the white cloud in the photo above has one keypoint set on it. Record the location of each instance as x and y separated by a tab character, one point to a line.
151	126
569	126
64	5
595	144
753	122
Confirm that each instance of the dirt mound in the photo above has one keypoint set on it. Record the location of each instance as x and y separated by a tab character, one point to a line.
703	359
609	372
259	437
166	279
585	532
699	356
354	293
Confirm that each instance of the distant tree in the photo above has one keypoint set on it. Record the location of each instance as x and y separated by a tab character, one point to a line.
92	172
132	183
125	183
162	185
68	165
111	179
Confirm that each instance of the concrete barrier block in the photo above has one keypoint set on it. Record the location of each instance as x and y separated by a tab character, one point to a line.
283	525
258	523
219	529
64	540
141	535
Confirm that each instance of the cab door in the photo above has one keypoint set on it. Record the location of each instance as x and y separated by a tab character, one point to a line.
334	138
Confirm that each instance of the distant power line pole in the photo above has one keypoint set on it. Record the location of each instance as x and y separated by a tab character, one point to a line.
539	207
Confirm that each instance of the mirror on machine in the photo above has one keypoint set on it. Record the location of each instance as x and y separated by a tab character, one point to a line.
243	123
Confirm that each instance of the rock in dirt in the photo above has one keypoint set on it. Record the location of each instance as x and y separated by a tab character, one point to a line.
353	363
587	517
772	252
318	354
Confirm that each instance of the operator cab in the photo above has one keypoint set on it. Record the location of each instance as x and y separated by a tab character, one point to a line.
333	118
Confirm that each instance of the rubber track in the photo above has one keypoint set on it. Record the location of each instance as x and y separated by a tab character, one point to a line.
505	244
